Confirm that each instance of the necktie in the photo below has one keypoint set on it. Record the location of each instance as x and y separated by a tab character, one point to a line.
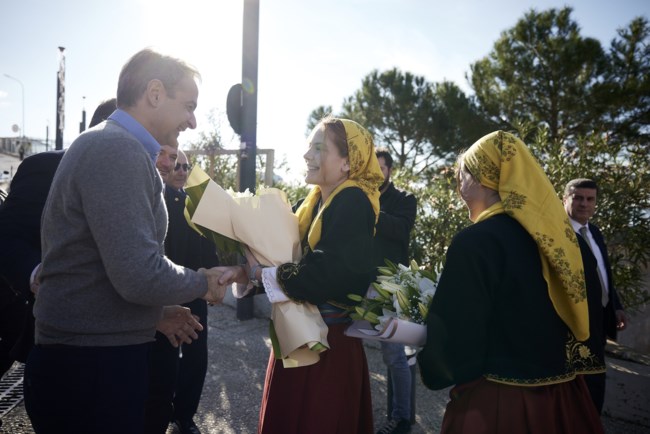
605	296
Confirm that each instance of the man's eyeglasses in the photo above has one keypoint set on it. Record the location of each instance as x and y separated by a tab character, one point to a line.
186	167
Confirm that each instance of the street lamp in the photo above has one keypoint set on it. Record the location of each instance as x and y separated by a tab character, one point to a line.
22	88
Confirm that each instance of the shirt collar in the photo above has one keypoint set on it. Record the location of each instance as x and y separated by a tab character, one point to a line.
577	225
134	127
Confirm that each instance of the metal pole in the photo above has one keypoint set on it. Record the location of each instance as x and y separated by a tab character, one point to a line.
22	89
250	45
60	101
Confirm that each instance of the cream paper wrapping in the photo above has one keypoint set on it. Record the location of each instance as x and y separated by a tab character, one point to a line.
395	330
267	225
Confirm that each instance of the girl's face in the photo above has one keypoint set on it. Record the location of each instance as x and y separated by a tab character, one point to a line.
325	166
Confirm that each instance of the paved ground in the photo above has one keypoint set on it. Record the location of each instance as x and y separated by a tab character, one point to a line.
239	352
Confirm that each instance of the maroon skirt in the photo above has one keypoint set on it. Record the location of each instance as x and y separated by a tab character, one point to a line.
486	407
329	397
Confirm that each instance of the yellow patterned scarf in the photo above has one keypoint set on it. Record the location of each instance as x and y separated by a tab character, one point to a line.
365	173
502	162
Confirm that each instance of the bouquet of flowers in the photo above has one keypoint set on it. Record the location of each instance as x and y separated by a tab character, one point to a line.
395	308
266	224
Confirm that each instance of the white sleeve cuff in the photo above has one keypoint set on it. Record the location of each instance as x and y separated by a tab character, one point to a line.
272	287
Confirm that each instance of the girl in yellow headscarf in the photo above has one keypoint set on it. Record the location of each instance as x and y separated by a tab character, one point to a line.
506	324
337	224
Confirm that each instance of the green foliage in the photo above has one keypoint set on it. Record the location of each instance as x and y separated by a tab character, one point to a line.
205	152
542	71
315	117
625	93
441	215
422	124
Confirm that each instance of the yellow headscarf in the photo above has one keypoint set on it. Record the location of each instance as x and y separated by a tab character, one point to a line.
502	162
365	173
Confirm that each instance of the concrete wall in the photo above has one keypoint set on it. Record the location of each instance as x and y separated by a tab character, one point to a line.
637	334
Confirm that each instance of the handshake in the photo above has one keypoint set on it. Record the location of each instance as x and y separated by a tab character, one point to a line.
219	278
179	324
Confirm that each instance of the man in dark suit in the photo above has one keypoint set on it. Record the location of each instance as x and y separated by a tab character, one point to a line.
176	383
186	247
580	196
20	238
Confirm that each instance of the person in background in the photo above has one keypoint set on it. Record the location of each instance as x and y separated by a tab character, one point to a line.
103	111
396	220
176	378
104	278
20	238
507	324
336	224
580	197
186	247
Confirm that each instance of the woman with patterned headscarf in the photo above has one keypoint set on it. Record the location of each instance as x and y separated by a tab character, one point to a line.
336	223
508	323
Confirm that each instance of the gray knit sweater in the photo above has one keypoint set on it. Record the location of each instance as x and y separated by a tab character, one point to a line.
104	276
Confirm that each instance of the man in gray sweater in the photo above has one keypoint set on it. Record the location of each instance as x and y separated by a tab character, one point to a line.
104	278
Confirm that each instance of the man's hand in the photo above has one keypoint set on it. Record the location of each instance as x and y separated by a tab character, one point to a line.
179	325
35	280
216	290
232	274
621	320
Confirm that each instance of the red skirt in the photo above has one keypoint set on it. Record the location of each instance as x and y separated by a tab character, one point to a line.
486	407
329	397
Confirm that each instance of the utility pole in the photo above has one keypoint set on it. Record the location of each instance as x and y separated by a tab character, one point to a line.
242	113
82	124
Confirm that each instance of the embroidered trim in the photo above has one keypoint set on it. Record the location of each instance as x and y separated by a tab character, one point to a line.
286	272
579	361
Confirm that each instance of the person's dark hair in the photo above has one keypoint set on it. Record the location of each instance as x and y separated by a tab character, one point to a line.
147	65
103	111
580	183
385	154
335	130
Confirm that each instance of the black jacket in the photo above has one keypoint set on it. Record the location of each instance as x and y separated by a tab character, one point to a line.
183	245
396	220
614	301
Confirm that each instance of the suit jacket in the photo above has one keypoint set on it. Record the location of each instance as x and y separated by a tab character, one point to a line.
614	303
20	242
20	220
183	245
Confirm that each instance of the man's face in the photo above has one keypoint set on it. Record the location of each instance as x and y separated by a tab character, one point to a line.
167	158
387	171
178	177
175	112
580	204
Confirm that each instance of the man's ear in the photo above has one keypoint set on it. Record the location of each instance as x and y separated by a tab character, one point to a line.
155	91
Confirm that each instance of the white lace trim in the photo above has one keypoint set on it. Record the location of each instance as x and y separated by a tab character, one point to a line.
271	285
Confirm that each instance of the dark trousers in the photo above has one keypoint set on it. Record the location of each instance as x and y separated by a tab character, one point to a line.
163	366
596	386
176	384
81	390
192	368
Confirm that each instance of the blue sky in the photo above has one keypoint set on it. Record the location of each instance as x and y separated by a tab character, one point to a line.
311	52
